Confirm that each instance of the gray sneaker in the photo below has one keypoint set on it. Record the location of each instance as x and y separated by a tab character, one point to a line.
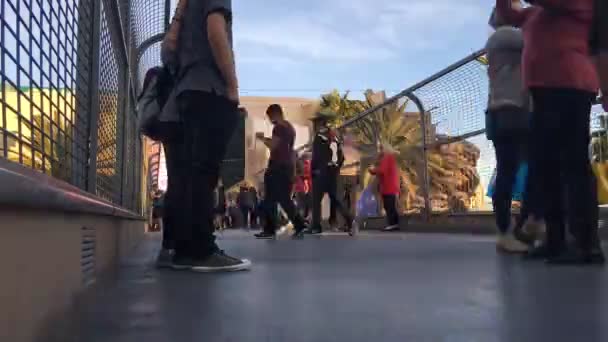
164	258
217	262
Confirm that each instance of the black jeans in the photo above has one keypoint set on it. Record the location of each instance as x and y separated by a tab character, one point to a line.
509	156
390	207
278	182
209	122
172	216
560	133
327	183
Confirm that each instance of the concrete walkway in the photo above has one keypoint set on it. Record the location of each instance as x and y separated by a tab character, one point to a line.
374	288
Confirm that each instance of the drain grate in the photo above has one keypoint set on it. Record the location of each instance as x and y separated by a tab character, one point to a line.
87	255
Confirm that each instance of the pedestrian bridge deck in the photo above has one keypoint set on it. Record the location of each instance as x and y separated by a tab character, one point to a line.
396	287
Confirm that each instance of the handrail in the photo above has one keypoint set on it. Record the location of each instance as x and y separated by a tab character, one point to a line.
24	187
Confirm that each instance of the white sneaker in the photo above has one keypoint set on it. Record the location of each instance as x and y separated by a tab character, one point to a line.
509	244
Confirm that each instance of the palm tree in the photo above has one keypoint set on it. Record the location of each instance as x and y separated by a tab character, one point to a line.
452	170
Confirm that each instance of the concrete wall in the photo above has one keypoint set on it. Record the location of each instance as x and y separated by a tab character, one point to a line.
40	264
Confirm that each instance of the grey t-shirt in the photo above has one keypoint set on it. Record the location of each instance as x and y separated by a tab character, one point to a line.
198	68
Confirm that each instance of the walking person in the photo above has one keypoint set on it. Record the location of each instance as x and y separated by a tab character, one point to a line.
254	210
559	71
220	208
507	124
205	97
387	172
279	176
246	204
327	160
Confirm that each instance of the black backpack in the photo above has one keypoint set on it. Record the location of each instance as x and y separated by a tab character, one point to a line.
158	86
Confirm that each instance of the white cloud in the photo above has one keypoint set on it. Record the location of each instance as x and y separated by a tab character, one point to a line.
306	37
353	30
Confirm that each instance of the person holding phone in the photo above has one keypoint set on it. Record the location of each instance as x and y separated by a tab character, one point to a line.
279	176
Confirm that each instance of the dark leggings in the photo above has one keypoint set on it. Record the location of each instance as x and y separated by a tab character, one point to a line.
390	206
560	129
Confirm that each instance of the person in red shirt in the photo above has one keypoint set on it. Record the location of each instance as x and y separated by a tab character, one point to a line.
303	187
387	172
558	70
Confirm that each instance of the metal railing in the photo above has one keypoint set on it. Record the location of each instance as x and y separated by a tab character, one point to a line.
69	74
438	128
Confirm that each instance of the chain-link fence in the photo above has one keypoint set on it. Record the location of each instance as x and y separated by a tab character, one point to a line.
436	128
69	75
461	159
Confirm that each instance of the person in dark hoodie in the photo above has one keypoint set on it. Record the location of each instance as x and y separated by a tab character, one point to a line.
507	123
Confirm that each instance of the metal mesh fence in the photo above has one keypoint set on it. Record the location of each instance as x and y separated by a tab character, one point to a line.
147	19
131	162
455	104
65	105
108	169
452	172
437	129
149	59
44	92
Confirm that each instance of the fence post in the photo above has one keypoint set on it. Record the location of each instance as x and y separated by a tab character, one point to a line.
94	105
426	184
167	14
123	138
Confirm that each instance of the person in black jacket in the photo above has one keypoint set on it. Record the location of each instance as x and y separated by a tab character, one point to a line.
327	160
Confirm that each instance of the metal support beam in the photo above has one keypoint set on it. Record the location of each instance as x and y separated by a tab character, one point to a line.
146	44
426	182
94	99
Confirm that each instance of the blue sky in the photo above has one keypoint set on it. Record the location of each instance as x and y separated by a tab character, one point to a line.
303	48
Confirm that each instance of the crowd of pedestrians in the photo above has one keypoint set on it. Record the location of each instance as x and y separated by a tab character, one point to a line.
546	64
